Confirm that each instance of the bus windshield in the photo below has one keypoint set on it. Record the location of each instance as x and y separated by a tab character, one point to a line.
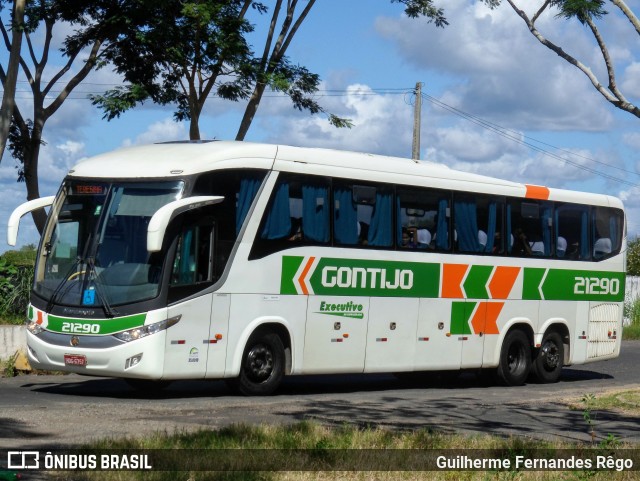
94	249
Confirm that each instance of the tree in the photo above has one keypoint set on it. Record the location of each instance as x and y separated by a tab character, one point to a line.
10	77
183	52
26	134
204	50
588	13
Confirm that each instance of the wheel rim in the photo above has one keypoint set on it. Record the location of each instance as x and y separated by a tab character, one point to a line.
259	363
550	355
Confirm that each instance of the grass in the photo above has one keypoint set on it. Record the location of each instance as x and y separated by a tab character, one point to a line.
631	332
626	402
317	446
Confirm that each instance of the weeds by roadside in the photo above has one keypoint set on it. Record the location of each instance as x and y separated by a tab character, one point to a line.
321	446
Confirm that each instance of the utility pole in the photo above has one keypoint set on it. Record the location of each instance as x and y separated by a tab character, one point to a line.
417	113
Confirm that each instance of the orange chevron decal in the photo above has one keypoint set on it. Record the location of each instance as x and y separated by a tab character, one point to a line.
452	276
485	319
502	282
493	312
303	275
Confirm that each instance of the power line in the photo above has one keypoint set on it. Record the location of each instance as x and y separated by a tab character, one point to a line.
526	141
510	134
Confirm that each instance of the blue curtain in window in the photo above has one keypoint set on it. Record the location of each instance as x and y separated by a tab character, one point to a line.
345	220
278	223
466	225
398	222
442	227
509	235
380	231
315	213
613	231
248	190
584	235
491	227
545	219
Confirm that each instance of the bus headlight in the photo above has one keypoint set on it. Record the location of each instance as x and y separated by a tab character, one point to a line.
33	327
144	331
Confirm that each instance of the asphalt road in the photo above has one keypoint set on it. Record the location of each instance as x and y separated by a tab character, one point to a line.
53	411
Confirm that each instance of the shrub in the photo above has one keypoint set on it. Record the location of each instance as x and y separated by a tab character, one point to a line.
633	257
16	277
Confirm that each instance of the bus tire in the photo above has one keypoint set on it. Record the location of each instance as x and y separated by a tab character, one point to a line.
262	366
515	359
548	363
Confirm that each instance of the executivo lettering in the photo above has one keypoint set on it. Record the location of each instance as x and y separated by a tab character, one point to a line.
346	309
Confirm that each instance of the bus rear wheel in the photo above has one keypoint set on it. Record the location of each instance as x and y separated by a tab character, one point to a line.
515	359
548	363
262	366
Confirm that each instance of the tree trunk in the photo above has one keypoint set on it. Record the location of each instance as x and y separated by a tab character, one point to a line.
31	175
250	111
8	98
194	126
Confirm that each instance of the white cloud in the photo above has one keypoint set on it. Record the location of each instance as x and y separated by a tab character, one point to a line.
161	131
382	124
631	80
499	70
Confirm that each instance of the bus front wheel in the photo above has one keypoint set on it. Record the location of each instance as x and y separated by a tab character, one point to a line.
515	358
548	363
262	366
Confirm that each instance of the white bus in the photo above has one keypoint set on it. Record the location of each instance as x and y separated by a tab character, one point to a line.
250	262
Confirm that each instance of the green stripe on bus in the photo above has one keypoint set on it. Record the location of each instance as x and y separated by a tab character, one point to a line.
69	325
360	277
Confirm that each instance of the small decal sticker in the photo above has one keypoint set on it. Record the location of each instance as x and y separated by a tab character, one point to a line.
193	355
89	297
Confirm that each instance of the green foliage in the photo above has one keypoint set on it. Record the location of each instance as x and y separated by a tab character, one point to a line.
16	277
588	401
633	257
583	10
176	52
424	8
8	368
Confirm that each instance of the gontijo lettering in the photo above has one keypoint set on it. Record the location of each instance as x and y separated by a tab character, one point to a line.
360	277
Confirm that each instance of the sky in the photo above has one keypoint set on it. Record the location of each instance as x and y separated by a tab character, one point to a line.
495	101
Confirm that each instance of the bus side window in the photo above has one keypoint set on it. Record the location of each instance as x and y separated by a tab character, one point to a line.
363	215
193	262
297	214
478	224
572	232
530	223
607	232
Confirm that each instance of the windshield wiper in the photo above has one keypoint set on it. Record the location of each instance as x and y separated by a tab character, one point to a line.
63	282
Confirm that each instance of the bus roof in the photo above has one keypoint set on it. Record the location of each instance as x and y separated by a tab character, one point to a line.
179	159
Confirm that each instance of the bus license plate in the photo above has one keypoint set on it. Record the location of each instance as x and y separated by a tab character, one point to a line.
75	360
